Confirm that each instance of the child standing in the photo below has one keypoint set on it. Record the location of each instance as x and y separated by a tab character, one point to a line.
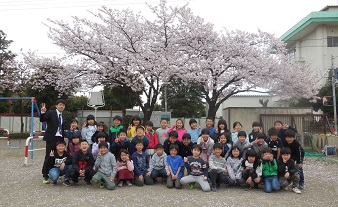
297	154
135	122
125	168
162	132
270	171
241	142
179	128
252	169
114	130
209	124
281	129
60	163
197	169
206	143
120	142
100	128
256	128
89	128
83	163
72	129
194	131
222	127
100	137
158	164
224	140
141	165
185	147
274	142
217	167
171	140
234	169
74	145
175	168
287	171
140	135
106	166
153	139
237	126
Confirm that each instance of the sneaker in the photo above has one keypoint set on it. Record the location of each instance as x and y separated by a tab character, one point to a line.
66	183
247	187
120	184
45	180
191	186
101	184
129	183
213	189
88	183
296	190
301	186
288	187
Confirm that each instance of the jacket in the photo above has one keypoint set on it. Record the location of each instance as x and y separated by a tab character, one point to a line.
114	132
83	161
180	132
106	164
158	162
269	168
283	168
52	120
116	147
153	139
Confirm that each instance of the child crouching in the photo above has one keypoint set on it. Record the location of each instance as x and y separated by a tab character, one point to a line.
125	168
252	169
106	166
269	169
158	164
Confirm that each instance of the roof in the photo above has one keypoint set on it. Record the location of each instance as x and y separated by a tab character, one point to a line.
310	23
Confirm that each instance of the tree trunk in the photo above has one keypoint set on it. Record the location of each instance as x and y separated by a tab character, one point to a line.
212	110
147	115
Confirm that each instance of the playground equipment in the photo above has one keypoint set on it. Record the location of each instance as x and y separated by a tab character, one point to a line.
29	140
96	100
9	139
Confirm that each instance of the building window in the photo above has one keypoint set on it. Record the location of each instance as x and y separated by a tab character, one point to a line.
332	41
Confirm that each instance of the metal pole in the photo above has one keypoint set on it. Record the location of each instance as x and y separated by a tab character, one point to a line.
334	95
165	99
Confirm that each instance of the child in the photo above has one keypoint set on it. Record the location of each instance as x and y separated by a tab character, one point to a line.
281	128
234	169
258	145
141	165
100	128
72	129
106	166
274	143
125	168
207	144
175	168
74	145
197	169
185	147
89	128
100	137
173	135
226	144
209	124
60	163
153	140
256	128
287	171
135	122
162	132
252	169
217	167
222	127
269	171
158	164
194	131
114	130
241	142
179	128
297	154
237	126
140	135
120	142
83	163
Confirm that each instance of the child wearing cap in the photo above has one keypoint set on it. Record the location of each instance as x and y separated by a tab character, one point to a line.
153	139
158	164
115	129
287	171
258	145
269	171
194	130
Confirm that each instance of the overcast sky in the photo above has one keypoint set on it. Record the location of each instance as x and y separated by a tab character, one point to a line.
22	20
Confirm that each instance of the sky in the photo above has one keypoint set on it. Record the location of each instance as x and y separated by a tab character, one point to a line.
23	20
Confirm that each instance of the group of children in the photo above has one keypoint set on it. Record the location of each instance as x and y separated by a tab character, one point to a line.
139	155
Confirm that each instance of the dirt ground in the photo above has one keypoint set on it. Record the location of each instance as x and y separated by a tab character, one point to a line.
22	186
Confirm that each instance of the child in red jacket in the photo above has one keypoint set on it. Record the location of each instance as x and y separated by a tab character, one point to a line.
153	139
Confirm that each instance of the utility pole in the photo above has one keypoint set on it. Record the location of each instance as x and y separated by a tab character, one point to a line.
334	94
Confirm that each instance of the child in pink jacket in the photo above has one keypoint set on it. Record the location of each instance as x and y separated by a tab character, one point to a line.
125	168
179	128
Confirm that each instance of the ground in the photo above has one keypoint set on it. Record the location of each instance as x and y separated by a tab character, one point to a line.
22	186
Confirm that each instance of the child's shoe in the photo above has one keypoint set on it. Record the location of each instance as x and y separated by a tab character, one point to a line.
129	183
256	186
288	187
301	186
88	183
101	184
45	180
191	185
247	187
66	183
213	189
296	190
120	184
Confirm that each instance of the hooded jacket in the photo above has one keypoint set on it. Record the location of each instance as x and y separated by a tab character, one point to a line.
158	162
106	164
